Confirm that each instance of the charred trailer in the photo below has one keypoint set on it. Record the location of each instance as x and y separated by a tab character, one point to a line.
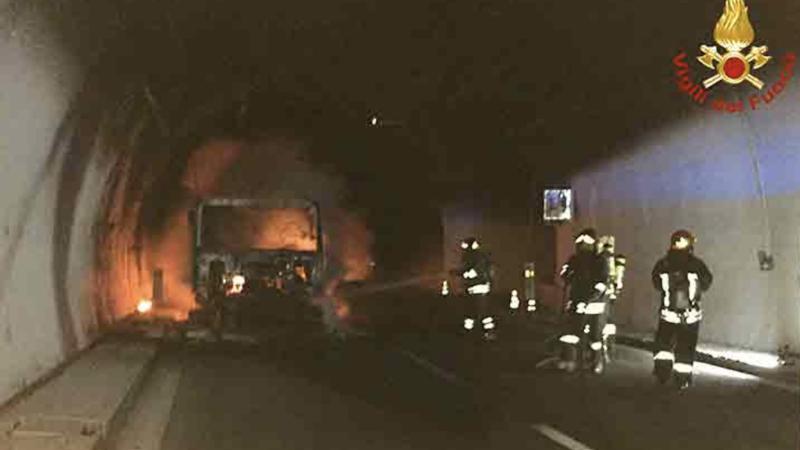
256	259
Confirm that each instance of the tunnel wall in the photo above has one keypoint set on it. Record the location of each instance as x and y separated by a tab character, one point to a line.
702	173
46	314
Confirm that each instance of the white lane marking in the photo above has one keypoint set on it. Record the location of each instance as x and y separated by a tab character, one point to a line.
559	437
442	373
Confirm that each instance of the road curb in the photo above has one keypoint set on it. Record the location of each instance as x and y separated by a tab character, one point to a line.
645	347
76	408
120	415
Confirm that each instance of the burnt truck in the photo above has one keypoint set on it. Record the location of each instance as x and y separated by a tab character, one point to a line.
256	263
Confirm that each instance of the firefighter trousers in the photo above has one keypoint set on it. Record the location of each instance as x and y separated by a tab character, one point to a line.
677	342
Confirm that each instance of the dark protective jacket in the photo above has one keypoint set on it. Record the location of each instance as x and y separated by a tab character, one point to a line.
581	273
480	262
678	265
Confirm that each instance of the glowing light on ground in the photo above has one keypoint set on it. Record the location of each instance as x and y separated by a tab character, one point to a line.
708	369
752	358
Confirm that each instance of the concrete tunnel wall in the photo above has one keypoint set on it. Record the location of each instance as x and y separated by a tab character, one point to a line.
706	173
46	302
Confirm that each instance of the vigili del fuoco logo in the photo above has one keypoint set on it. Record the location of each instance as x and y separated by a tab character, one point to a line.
734	66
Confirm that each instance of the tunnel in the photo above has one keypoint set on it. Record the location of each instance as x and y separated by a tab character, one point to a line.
124	114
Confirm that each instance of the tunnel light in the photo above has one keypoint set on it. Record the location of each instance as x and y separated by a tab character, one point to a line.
144	306
445	288
488	326
752	358
374	121
469	324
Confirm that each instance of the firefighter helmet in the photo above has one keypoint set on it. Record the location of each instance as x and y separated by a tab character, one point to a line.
682	240
470	243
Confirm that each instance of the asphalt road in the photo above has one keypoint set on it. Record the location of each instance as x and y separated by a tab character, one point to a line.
424	390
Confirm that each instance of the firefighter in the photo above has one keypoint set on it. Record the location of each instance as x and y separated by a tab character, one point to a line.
681	278
584	277
615	270
477	272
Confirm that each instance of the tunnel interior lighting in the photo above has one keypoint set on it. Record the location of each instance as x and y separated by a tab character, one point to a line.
712	370
752	358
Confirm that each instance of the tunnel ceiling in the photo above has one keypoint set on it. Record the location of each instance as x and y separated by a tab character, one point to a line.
478	85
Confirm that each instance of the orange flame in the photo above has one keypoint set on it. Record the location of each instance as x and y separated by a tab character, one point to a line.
226	168
342	309
734	31
144	306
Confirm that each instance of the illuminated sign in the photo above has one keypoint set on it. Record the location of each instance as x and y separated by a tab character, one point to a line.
558	205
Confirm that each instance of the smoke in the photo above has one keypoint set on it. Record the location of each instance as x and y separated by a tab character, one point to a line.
271	170
352	244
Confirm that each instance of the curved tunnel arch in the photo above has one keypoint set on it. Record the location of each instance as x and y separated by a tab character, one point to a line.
144	145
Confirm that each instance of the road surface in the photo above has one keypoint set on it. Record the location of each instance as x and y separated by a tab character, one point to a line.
423	391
